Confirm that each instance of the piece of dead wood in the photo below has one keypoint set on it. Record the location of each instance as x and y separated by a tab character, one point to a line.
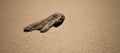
44	25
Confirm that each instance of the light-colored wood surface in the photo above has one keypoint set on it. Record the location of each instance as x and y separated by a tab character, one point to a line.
90	26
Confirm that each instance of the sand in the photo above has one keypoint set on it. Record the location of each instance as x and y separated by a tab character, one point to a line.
90	26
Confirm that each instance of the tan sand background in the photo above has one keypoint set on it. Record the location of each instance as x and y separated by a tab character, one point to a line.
91	26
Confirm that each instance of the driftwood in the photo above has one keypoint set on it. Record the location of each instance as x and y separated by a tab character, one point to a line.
55	20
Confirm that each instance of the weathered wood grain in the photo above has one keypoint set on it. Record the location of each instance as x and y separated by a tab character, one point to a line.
44	25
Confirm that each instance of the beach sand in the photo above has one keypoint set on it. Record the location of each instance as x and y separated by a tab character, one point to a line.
90	26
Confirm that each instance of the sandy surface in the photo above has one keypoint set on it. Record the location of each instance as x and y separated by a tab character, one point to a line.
91	26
